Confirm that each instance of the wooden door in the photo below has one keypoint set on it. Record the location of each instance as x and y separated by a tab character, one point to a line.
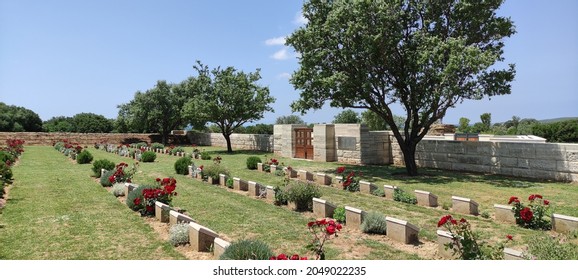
304	143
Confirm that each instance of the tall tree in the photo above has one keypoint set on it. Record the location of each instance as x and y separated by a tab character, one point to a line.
291	119
91	123
427	56
347	116
486	119
18	119
227	98
374	122
59	124
464	125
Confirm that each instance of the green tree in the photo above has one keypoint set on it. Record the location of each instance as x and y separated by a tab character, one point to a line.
291	119
427	56
59	124
347	116
374	122
464	125
18	119
227	98
91	123
486	119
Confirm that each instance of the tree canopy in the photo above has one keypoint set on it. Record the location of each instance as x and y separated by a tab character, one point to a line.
18	119
291	119
427	56
347	116
228	98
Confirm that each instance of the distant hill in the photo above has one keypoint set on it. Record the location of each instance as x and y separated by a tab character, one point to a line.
558	120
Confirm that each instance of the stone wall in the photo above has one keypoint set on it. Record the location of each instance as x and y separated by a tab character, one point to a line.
528	160
284	139
47	138
258	142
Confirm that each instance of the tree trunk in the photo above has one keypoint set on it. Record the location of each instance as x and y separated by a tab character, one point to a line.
164	138
409	159
228	139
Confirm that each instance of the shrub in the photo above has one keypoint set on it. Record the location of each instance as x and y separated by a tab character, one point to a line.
104	180
179	234
549	248
280	196
176	150
118	189
84	157
339	214
351	181
378	192
205	155
6	156
5	172
533	215
148	156
229	183
155	146
214	170
135	198
302	194
374	222
182	165
252	162
105	164
247	250
402	196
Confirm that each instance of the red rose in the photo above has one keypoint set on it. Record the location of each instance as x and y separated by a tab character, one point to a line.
454	222
339	226
272	258
111	179
310	224
463	221
526	214
509	237
295	257
340	169
136	201
546	202
538	196
150	209
330	229
512	199
532	197
158	179
444	220
282	257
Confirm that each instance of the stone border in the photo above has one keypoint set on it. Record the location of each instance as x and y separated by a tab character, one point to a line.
201	238
291	173
425	198
260	167
563	223
354	217
366	187
223	180
305	175
240	184
270	193
323	179
176	217
511	254
129	187
272	169
401	231
322	208
445	237
464	205
219	247
162	212
254	189
389	191
504	213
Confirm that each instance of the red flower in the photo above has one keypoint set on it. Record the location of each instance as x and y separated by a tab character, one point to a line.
330	229
158	179
136	201
546	202
444	220
272	258
526	214
282	257
128	180
532	197
509	237
463	221
150	209
538	196
454	222
201	167
111	179
295	257
303	258
310	224
513	199
340	169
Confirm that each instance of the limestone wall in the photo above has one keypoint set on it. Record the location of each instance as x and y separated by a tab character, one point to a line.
47	138
284	139
528	160
258	142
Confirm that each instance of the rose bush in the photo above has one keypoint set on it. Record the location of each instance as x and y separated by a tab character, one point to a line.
533	215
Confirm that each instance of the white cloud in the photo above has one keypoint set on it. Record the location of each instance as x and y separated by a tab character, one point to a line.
300	19
284	75
281	54
275	41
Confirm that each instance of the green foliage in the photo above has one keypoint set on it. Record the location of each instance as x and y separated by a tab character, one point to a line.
347	116
6	156
558	132
214	170
252	162
291	119
378	192
59	124
104	180
205	155
91	123
5	172
259	128
179	234
485	214
148	156
182	165
118	189
247	250
135	198
402	196
280	196
302	194
155	146
18	119
551	248
423	59
464	126
84	157
374	222
229	182
375	122
227	98
176	150
339	214
533	215
446	206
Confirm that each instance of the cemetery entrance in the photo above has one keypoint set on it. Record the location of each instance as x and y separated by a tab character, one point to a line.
304	143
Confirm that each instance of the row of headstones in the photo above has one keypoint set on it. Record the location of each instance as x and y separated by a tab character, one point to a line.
560	223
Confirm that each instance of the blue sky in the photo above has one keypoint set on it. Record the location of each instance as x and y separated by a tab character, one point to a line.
60	58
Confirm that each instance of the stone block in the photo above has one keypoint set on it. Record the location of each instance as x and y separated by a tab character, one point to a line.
211	181
201	238
389	191
272	168
162	212
323	179
426	198
366	187
445	237
564	224
511	254
223	180
128	187
464	205
305	175
260	167
254	188
219	247
401	231
176	217
240	184
322	208
190	171
354	217
504	213
290	172
338	182
102	172
270	193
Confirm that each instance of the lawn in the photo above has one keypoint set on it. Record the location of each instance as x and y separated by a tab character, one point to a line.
57	211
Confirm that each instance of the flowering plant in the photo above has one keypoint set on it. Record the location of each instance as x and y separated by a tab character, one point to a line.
122	174
15	146
286	257
531	216
464	241
164	192
321	230
351	181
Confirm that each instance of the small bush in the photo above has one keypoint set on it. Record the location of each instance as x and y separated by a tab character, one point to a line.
252	162
5	172
339	214
118	189
84	157
280	196
302	194
549	248
6	156
378	192
104	181
182	165
247	250
229	183
135	198
374	222
155	146
179	234
401	196
446	206
177	150
205	155
485	214
214	170
105	164
148	156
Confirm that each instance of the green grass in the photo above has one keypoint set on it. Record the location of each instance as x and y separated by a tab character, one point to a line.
56	199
